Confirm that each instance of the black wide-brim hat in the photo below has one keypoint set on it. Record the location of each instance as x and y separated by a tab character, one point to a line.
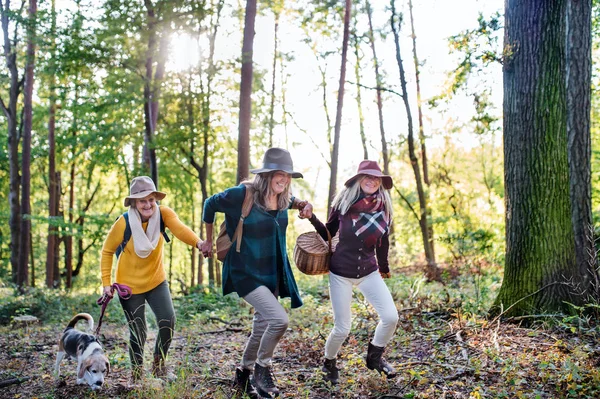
277	159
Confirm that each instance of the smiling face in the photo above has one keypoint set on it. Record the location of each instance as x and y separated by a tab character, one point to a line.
370	184
146	207
279	181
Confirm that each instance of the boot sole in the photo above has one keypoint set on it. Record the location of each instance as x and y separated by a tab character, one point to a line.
263	394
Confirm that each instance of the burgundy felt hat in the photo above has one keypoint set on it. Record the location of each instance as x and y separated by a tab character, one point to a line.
371	168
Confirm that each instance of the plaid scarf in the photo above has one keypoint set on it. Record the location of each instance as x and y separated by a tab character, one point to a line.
370	220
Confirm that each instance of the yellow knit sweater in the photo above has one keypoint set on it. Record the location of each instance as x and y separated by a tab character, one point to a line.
141	274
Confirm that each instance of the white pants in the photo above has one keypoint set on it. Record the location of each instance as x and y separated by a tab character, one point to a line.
376	293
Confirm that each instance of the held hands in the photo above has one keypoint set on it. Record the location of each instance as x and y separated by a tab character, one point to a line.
206	248
107	291
305	208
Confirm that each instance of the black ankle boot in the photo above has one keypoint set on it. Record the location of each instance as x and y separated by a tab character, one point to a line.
263	378
242	382
375	361
332	373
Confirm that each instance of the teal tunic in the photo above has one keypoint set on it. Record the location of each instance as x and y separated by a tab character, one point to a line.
263	248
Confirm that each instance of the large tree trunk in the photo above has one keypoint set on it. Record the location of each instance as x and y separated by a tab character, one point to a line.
379	83
432	269
340	105
10	111
579	72
246	93
23	273
52	243
149	108
541	273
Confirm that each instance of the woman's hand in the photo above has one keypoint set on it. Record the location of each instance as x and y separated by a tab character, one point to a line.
306	209
107	291
206	248
385	275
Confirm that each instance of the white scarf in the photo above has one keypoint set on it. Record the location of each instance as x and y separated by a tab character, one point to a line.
144	242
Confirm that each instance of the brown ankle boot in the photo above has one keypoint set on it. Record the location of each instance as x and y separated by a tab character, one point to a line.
243	383
159	369
375	361
263	378
332	373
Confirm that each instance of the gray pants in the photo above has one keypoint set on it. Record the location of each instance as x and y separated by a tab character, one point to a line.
160	302
270	323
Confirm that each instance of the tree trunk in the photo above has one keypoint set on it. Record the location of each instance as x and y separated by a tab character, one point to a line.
52	245
379	82
23	274
541	272
149	118
340	104
432	271
70	231
246	93
272	105
361	117
579	72
419	102
423	157
10	111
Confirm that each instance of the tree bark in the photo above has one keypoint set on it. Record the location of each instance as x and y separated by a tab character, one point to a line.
246	93
149	109
340	105
52	245
419	102
275	56
579	72
10	111
23	274
361	117
541	272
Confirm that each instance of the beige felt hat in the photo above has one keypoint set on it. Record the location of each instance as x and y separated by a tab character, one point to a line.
141	187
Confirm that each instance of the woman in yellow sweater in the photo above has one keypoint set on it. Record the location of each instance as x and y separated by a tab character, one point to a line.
140	266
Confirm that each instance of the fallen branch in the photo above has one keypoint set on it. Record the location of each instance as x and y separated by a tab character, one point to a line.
231	329
12	381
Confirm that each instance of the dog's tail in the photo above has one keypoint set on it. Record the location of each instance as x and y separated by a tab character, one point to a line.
82	316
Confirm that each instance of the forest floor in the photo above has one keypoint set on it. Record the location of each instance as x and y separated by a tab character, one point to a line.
440	350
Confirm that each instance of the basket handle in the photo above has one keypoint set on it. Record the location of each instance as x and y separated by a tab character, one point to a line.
329	240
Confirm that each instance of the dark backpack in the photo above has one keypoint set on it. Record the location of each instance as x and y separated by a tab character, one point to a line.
127	234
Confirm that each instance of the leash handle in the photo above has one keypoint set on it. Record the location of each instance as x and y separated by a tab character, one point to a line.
123	291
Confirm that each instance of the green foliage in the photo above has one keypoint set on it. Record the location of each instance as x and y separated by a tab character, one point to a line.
50	306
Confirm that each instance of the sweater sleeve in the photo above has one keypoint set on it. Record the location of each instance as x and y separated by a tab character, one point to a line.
333	225
229	202
111	243
382	253
177	227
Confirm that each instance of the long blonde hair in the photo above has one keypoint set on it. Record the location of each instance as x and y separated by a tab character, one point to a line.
348	196
261	184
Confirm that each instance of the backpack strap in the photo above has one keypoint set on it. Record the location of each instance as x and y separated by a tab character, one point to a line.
246	208
127	234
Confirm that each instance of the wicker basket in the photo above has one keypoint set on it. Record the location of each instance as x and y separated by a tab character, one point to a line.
312	253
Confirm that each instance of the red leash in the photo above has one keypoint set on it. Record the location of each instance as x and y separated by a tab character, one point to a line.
123	291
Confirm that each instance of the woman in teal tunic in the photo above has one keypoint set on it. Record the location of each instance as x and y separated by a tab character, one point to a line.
260	272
